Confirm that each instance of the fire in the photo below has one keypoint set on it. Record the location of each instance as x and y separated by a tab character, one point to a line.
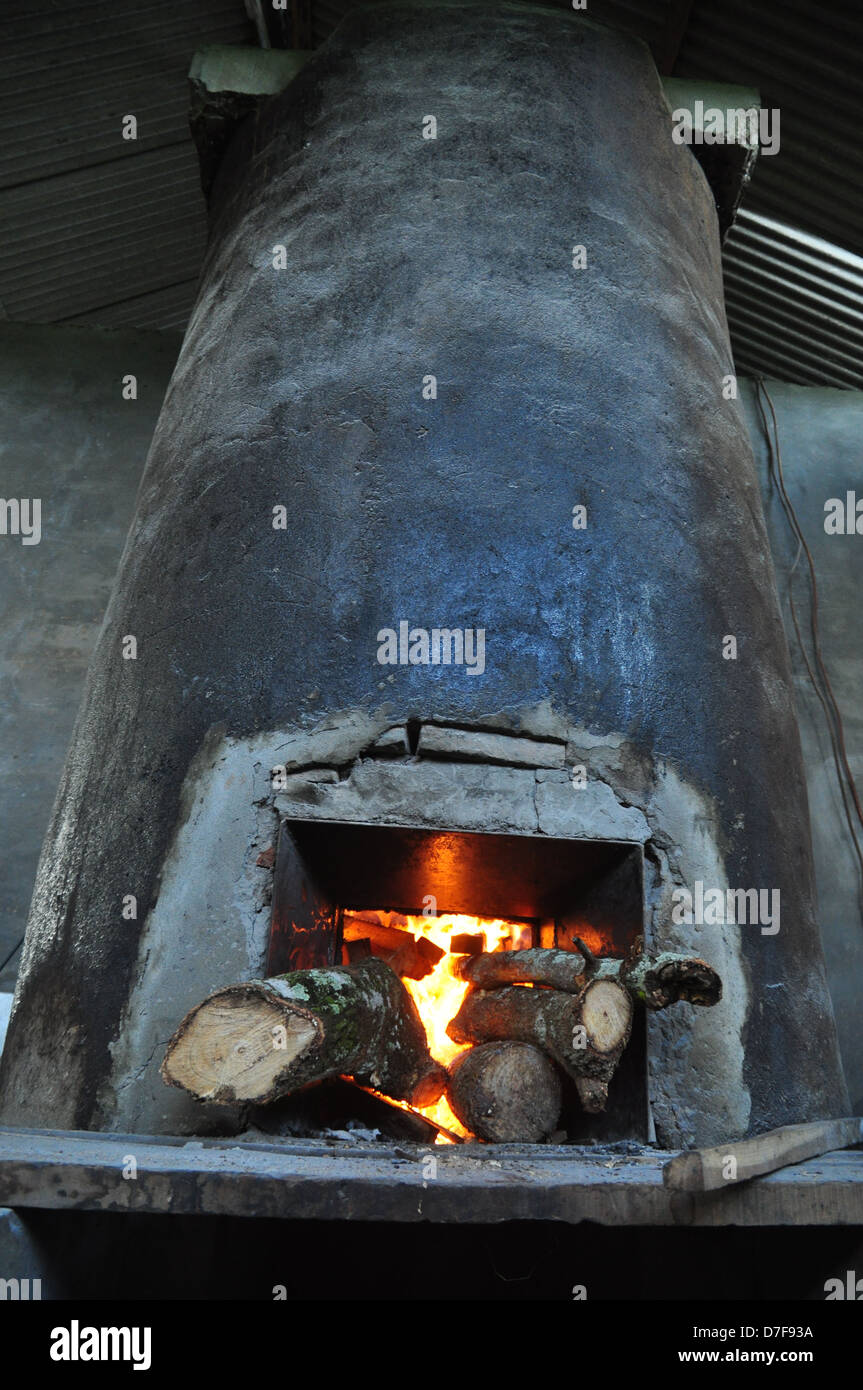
593	939
439	995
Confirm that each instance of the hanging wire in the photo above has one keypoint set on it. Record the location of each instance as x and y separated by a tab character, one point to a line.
6	959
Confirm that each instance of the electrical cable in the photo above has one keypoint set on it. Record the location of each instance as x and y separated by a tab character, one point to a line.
5	962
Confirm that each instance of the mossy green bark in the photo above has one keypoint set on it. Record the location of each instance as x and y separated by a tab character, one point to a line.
363	1024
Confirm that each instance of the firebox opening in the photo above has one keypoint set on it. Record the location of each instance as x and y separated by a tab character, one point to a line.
423	899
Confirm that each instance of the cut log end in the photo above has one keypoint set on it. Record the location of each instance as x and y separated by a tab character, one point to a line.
258	1041
606	1013
234	1045
505	1093
584	1033
592	1093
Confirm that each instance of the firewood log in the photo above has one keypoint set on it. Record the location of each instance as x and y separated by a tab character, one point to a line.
466	943
584	1033
656	981
415	958
384	939
505	1092
266	1038
411	957
540	965
592	1093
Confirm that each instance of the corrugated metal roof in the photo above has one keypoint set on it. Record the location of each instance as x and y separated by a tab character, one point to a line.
103	230
794	303
69	73
166	309
96	227
806	61
84	240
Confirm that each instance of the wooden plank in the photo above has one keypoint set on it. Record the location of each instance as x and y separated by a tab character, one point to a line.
710	1170
473	1183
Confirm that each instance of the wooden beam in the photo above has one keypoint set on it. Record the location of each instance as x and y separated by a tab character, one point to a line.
710	1170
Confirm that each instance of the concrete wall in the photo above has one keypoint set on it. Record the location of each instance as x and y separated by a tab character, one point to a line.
820	433
68	438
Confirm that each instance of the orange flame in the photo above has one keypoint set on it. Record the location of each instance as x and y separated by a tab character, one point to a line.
439	995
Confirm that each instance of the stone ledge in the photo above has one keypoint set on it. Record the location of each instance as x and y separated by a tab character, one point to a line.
435	793
475	1183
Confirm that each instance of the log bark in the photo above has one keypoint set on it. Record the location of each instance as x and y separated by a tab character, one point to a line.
384	939
584	1033
539	965
592	1092
505	1092
264	1039
658	981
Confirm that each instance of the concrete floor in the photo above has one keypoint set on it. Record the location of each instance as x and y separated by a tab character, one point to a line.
70	439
